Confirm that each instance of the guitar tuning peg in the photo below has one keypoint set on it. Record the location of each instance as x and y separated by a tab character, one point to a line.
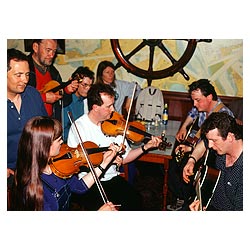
163	135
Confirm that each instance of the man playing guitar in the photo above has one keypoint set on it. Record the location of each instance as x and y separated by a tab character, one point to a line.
206	102
42	71
225	136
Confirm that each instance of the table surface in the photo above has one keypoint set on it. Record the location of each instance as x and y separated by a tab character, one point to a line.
170	131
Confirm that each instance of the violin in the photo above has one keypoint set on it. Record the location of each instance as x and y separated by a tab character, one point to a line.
116	125
69	160
136	131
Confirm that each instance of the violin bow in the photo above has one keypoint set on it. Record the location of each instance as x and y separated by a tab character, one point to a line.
129	111
96	179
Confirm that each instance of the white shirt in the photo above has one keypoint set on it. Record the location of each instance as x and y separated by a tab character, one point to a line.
92	132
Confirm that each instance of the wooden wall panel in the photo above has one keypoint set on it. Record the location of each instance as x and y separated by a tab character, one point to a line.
180	103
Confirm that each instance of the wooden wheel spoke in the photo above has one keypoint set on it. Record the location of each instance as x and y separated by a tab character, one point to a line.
151	58
177	64
166	52
135	50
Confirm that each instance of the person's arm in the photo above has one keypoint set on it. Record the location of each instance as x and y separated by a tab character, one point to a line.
108	156
127	104
134	153
197	153
183	130
129	97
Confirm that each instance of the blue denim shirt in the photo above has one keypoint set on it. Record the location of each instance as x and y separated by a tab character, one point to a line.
77	109
32	105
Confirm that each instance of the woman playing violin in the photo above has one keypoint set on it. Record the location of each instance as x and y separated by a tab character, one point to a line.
36	187
101	99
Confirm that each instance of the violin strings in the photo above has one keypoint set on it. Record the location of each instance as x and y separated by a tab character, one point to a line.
129	111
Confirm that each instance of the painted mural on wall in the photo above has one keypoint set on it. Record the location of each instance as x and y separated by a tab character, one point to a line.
221	61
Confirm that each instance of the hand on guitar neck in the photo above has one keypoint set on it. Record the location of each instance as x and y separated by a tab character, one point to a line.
54	90
53	97
195	206
205	182
188	143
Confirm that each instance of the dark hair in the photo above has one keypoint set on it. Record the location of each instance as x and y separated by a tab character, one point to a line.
224	123
205	87
16	55
84	72
101	67
32	157
95	91
38	41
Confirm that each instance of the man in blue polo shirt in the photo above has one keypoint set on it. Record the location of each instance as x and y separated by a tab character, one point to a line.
23	103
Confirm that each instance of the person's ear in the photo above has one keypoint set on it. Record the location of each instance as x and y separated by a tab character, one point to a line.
35	47
210	97
95	107
230	136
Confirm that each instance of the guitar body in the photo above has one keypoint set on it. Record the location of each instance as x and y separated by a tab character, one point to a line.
50	86
205	182
56	87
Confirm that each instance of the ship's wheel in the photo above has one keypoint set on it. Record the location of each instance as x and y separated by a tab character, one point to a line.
173	65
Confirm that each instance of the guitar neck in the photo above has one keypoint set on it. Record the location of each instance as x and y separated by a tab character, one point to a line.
198	193
61	86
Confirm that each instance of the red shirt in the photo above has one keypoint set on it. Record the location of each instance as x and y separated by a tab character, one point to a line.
41	80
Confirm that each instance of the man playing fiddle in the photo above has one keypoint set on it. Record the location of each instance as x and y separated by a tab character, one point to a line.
101	99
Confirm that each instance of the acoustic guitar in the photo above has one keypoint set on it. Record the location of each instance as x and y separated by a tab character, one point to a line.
191	139
205	182
54	86
193	135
